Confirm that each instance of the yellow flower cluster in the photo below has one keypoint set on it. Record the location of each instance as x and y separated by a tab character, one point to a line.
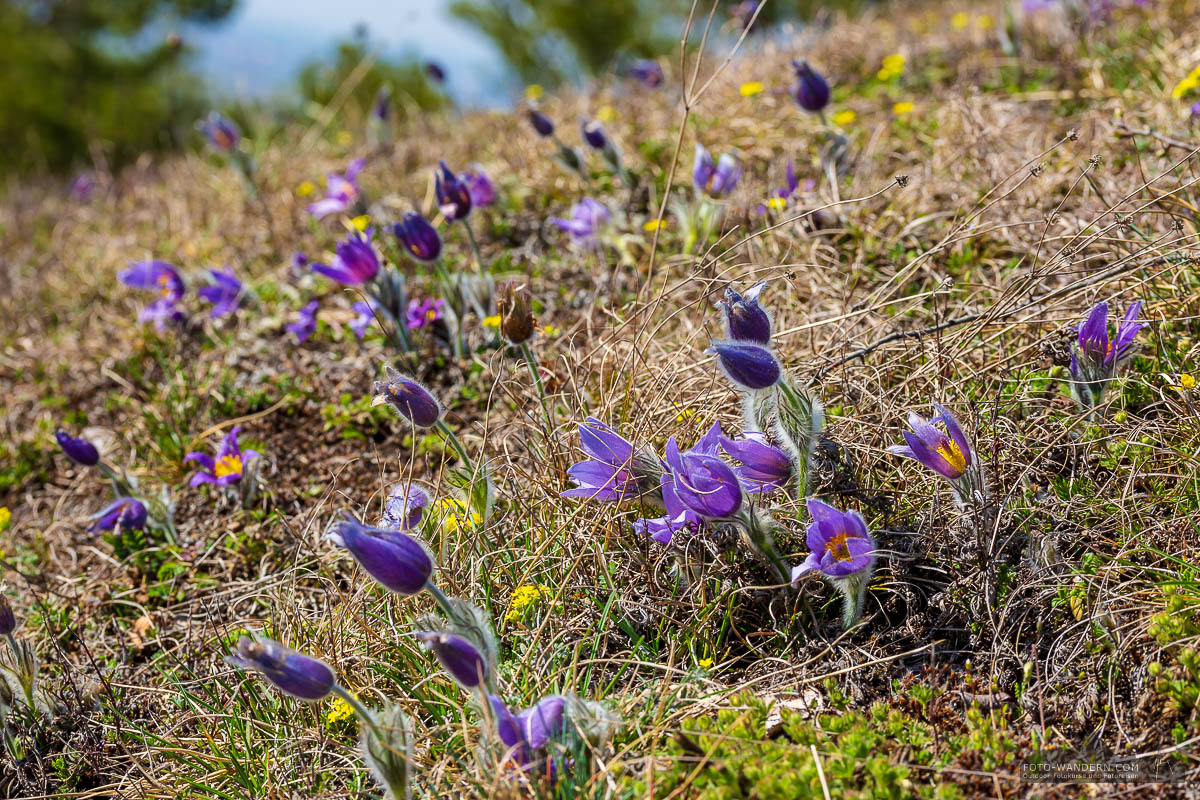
455	515
1186	85
523	597
893	67
751	88
5	518
305	188
844	117
360	223
904	107
338	713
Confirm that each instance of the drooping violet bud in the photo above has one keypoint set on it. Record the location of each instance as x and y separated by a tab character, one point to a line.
410	399
764	467
418	237
750	366
458	656
303	677
8	620
396	560
542	124
810	90
593	133
745	319
81	451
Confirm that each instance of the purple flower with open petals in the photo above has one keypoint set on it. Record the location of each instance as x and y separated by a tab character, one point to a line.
341	191
365	311
764	467
228	467
1095	358
948	454
220	131
453	194
424	312
745	319
479	186
405	506
124	513
715	178
616	470
840	543
224	293
647	71
588	218
163	278
355	263
303	677
678	517
704	484
306	324
396	560
750	366
81	451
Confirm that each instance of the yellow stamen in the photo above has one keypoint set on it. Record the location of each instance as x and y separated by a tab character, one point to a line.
839	547
228	465
953	454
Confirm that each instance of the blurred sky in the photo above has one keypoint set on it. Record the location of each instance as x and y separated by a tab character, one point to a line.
260	48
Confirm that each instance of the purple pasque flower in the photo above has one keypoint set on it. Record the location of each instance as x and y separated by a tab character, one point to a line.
229	465
299	260
405	506
839	542
750	366
81	451
593	133
436	72
703	483
528	731
948	454
715	178
381	109
647	71
161	277
355	262
616	471
220	131
810	90
453	194
418	237
457	655
763	466
303	677
307	322
587	218
1095	358
341	191
745	319
424	312
124	513
397	561
224	293
479	186
1196	109
365	311
542	125
82	187
412	400
677	515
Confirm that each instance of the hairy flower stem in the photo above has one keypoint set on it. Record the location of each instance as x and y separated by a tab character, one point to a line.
758	531
360	710
122	486
440	597
455	445
26	668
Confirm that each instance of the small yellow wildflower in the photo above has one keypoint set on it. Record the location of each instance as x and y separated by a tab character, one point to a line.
893	67
523	597
606	114
705	663
685	415
984	23
534	91
903	107
338	713
344	138
844	117
455	515
551	330
960	20
1184	384
777	203
651	225
492	322
1186	85
751	88
5	518
305	188
361	223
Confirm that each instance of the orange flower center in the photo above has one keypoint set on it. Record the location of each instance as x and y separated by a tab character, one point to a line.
839	547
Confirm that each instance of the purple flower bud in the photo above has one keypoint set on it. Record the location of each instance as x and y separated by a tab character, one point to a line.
748	365
396	560
412	400
220	132
745	319
647	71
453	196
81	451
839	542
480	187
418	237
715	178
355	262
82	187
458	656
404	506
436	72
382	108
300	260
303	677
8	621
593	133
306	324
810	90
540	122
704	484
588	218
224	294
127	513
